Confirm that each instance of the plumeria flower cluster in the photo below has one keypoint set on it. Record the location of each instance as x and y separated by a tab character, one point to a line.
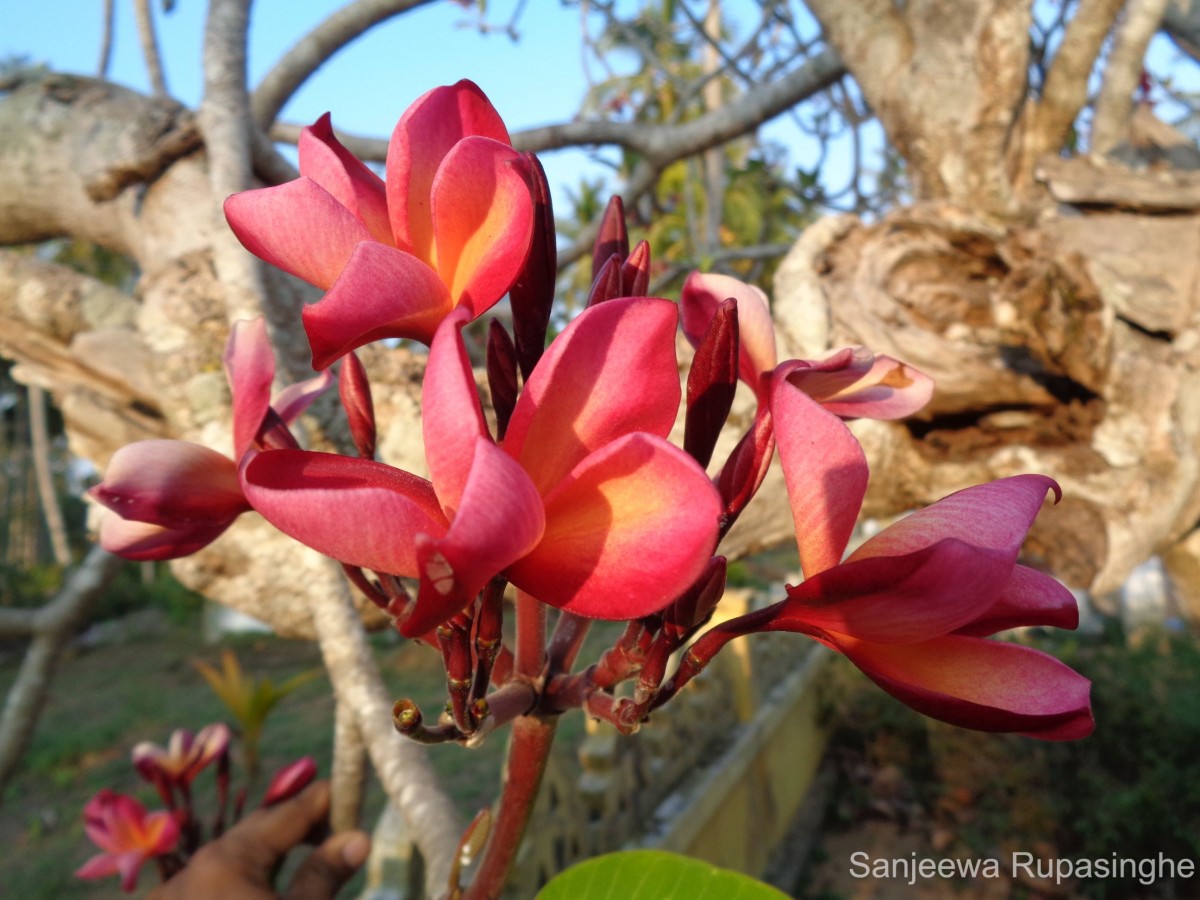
129	836
568	493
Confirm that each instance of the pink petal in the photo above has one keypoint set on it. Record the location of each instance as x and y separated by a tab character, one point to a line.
499	520
482	220
99	866
825	471
290	780
293	400
174	484
382	293
611	372
898	599
628	531
141	541
982	684
250	369
452	420
993	516
323	159
854	383
359	512
1030	598
703	293
298	227
422	138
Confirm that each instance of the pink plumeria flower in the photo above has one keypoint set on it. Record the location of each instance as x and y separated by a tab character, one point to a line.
171	498
911	606
851	382
185	756
450	227
290	781
584	506
128	835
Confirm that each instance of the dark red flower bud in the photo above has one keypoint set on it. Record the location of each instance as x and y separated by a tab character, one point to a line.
612	237
355	392
635	271
532	294
711	383
502	375
607	284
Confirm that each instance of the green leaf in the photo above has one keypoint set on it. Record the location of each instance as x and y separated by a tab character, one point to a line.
654	875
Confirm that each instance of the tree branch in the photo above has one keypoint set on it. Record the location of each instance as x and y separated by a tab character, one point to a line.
106	40
1110	124
51	627
402	766
1066	88
227	127
1181	21
349	770
312	50
150	52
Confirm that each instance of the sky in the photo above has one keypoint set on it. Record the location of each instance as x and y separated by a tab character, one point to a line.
537	80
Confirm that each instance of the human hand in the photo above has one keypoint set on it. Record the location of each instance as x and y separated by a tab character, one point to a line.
242	863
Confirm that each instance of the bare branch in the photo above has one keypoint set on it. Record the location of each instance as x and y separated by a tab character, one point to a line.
1065	91
150	52
401	765
39	438
1181	21
51	627
349	770
1123	71
227	126
106	41
312	50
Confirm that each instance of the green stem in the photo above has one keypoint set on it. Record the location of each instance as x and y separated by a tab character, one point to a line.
528	750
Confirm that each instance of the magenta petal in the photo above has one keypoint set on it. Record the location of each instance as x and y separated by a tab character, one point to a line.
611	372
290	781
482	221
994	516
499	520
825	471
101	865
143	542
382	293
1030	598
854	383
982	684
452	420
359	512
901	599
323	159
424	135
250	369
298	227
628	531
175	484
293	400
703	293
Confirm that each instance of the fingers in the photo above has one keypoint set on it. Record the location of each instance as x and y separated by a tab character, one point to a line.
264	838
329	867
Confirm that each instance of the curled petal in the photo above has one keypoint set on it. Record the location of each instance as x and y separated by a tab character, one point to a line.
898	599
993	516
323	159
977	683
611	372
174	484
424	135
293	400
500	518
1030	598
855	383
250	369
452	420
703	293
825	471
628	531
382	293
298	227
144	542
359	512
482	220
